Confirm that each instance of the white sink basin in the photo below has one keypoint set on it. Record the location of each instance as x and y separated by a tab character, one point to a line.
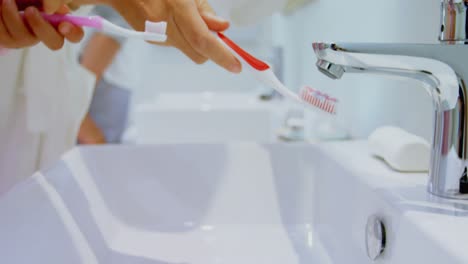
225	203
206	118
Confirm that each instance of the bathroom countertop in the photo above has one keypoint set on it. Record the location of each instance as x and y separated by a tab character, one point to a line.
443	221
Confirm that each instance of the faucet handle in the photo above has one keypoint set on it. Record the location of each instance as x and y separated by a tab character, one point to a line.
454	22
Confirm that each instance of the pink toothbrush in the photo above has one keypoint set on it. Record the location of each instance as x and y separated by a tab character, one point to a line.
155	32
264	74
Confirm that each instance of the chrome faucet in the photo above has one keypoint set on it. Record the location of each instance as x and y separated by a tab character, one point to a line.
440	68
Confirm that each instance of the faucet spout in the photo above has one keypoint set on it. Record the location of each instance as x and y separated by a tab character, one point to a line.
423	62
441	70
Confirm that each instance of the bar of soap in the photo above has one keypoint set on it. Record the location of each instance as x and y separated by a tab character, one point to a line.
401	150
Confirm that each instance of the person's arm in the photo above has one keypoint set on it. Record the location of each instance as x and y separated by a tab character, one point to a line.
90	133
97	56
99	53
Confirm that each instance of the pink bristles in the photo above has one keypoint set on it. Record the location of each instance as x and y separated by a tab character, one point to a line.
318	99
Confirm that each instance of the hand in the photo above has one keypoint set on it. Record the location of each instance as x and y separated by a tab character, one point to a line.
190	23
16	32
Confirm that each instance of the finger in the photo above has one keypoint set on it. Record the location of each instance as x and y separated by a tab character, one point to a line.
63	10
177	40
71	32
196	32
204	6
5	38
52	6
15	24
214	22
44	31
185	47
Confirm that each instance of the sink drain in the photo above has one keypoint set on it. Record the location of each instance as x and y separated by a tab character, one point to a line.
375	237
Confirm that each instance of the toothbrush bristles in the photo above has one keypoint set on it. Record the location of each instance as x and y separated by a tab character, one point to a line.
156	27
319	100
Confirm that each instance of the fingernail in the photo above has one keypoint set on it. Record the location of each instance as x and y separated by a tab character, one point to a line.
65	29
213	16
31	11
220	19
236	67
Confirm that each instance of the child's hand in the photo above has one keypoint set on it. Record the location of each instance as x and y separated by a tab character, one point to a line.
16	32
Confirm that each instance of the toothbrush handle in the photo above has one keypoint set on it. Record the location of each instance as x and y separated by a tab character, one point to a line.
82	21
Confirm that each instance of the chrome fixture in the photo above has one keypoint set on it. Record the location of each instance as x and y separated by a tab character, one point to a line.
454	21
376	237
293	128
440	68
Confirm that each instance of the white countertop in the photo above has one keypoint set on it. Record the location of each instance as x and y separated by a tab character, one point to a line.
443	221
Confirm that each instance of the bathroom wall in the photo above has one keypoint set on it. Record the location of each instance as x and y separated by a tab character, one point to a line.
366	101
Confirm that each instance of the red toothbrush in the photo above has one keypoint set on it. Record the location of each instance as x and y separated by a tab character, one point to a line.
263	72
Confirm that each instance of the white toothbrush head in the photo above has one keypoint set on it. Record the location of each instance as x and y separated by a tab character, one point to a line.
153	31
156	27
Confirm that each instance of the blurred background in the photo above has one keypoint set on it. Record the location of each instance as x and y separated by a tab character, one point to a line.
173	100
